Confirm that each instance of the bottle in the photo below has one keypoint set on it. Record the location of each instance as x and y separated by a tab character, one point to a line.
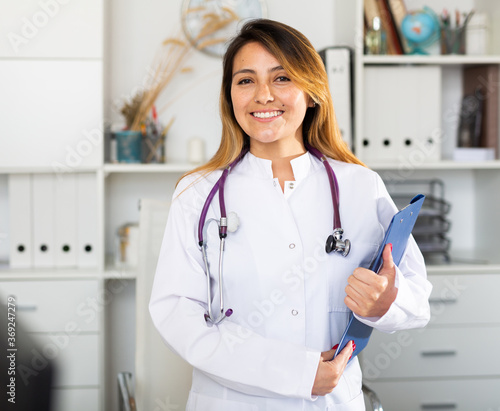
375	39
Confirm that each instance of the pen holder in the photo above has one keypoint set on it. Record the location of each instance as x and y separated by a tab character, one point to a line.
128	146
453	40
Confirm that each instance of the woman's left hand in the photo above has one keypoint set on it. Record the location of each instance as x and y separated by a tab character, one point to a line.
370	294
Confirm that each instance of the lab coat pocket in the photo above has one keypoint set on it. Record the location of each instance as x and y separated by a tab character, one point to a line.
201	402
361	255
356	404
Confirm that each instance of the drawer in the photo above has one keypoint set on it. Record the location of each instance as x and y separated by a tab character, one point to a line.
75	399
55	306
75	358
433	352
456	395
465	299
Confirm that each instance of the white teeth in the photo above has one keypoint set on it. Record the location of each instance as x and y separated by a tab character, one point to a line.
267	114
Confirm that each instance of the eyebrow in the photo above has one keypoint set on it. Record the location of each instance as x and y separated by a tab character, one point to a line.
250	71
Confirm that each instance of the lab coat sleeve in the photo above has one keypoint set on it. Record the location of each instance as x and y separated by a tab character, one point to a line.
411	307
235	357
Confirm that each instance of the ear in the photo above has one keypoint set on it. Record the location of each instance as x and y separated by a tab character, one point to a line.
311	103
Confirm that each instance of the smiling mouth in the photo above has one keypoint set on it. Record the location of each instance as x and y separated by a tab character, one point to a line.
267	114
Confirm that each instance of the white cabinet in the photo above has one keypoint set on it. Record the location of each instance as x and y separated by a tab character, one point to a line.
60	318
426	369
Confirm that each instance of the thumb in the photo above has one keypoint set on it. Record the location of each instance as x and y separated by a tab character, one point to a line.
388	268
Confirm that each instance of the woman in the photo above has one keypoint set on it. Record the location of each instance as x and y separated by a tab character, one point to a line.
290	300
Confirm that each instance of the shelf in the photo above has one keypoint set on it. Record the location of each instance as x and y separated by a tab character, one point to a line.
7	273
433	59
467	262
441	165
123	273
148	168
47	170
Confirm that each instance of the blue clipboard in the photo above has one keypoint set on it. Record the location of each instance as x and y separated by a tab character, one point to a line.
397	234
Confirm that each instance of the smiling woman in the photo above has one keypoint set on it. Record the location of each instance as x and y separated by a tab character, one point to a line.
269	107
259	324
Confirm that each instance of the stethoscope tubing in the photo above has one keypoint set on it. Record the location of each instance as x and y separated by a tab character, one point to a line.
334	185
334	242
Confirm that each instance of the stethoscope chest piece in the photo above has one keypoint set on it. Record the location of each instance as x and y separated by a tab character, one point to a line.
335	243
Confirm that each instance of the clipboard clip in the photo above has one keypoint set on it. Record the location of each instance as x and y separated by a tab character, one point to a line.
334	242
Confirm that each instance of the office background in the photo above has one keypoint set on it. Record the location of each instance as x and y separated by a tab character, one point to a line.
96	54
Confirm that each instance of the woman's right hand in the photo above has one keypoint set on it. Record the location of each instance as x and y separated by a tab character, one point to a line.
330	371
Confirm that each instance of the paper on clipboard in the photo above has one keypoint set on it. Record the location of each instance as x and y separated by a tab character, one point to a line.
397	234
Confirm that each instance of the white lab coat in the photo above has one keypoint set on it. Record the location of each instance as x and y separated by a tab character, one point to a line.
287	294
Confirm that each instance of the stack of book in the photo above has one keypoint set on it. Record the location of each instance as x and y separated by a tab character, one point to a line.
390	14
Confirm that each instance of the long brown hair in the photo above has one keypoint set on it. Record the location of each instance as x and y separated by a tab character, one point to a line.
305	68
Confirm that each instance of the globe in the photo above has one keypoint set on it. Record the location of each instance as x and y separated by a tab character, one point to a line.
421	29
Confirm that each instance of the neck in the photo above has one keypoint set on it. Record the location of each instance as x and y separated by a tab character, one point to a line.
277	151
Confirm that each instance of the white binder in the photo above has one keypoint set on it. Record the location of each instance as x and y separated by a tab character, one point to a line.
402	112
20	200
65	220
87	214
43	220
338	67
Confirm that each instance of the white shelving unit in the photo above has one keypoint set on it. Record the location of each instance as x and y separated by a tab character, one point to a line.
427	369
119	186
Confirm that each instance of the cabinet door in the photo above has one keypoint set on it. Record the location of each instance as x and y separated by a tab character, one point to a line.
74	357
68	306
456	395
52	114
75	399
433	352
51	28
465	299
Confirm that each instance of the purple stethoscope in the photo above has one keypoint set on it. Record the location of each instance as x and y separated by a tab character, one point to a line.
230	223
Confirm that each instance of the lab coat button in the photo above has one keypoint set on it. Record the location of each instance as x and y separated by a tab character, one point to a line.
291	246
274	183
294	312
291	186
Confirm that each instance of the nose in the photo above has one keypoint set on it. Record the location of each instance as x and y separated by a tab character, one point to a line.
263	94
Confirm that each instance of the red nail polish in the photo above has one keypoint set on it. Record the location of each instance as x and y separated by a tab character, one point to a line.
390	246
335	347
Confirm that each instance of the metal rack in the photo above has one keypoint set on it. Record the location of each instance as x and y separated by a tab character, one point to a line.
432	226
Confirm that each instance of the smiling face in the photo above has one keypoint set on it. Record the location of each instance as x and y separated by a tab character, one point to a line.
268	106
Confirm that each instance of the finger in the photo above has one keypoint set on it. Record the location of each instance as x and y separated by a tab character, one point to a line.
345	354
388	268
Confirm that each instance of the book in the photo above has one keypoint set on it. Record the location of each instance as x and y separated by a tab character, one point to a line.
482	82
388	23
398	12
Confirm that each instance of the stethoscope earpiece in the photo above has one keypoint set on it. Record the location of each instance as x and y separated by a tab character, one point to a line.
335	243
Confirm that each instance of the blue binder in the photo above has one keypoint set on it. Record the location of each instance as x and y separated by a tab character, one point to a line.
397	234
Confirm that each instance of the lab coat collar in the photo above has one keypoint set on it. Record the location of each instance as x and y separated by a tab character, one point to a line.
262	168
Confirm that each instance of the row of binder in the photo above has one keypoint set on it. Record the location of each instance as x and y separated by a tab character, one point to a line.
53	220
402	114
